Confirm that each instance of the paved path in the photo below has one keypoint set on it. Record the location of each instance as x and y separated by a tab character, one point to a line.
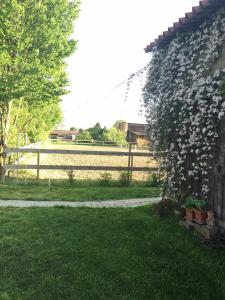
93	204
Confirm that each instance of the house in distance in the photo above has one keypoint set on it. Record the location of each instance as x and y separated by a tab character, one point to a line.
60	134
136	133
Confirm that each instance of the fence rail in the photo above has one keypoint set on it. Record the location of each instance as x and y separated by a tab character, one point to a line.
84	168
129	168
9	151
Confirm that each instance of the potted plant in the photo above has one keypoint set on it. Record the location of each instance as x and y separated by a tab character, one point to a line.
200	213
189	205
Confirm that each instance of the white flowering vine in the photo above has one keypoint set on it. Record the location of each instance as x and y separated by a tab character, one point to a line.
184	103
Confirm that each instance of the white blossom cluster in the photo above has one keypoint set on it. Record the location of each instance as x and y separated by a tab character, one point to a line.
184	102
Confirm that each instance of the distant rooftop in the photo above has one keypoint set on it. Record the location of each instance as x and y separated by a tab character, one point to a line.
137	129
64	132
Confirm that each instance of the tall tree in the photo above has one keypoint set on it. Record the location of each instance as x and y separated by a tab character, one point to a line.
97	132
117	136
35	40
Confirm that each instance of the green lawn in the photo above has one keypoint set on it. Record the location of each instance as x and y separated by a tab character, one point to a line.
62	253
74	192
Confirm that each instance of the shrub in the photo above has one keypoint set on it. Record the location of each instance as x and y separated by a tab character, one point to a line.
124	178
106	179
71	175
152	180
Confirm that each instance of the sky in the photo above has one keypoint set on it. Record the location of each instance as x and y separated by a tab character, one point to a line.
112	35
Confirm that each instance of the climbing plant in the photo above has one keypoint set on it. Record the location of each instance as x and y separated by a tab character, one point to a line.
185	105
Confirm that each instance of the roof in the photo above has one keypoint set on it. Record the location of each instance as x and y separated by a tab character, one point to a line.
64	132
137	129
191	20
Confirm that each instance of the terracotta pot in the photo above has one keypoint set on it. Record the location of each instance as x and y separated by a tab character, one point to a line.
200	216
189	214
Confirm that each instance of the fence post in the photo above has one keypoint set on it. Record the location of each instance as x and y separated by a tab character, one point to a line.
38	165
2	166
131	166
129	162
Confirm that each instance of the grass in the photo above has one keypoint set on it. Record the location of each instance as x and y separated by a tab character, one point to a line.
79	191
104	254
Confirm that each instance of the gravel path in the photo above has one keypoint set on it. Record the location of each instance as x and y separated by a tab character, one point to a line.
93	204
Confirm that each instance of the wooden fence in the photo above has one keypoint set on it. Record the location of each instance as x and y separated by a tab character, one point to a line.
98	143
38	166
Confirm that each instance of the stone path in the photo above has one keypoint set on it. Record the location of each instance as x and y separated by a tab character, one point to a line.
92	204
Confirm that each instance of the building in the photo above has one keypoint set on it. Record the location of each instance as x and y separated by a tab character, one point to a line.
136	133
63	134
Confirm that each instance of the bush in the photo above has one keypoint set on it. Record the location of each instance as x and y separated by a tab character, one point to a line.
124	178
152	180
71	175
106	179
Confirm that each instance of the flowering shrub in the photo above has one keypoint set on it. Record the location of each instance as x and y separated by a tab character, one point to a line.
184	103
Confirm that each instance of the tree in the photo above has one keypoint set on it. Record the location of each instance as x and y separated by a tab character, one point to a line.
118	122
97	132
73	128
32	123
85	136
116	136
34	43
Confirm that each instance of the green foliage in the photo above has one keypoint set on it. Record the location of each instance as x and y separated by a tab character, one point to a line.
124	178
35	40
106	179
84	135
189	202
152	180
32	123
200	205
98	133
71	175
117	136
192	202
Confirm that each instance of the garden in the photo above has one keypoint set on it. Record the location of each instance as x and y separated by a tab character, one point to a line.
115	253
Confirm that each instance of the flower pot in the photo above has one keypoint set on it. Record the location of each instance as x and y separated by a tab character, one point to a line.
189	214
200	216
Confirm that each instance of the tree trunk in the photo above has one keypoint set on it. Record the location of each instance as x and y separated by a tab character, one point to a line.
6	109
